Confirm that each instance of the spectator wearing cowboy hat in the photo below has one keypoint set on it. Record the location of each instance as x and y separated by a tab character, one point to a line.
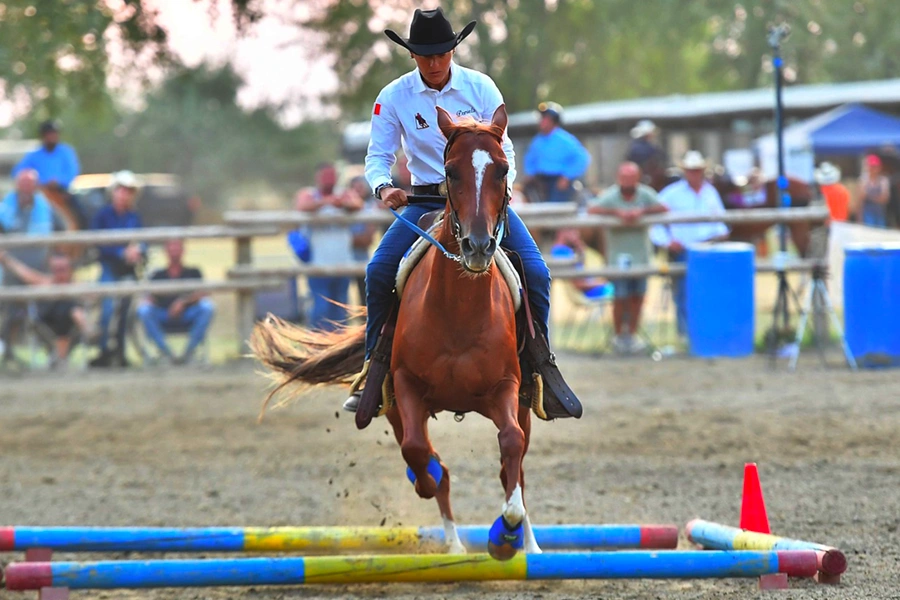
118	263
645	151
555	157
695	195
836	195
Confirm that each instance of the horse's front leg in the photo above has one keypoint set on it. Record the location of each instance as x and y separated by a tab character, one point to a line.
428	474
507	535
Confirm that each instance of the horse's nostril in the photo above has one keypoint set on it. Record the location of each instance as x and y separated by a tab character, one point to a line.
484	246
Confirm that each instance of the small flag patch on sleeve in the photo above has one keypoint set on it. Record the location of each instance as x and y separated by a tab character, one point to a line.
377	109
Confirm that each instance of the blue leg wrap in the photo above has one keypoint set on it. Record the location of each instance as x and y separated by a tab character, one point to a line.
434	469
504	541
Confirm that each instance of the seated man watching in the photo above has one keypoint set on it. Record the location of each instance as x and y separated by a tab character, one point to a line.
64	317
192	312
628	247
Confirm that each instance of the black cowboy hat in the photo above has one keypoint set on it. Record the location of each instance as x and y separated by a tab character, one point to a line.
430	33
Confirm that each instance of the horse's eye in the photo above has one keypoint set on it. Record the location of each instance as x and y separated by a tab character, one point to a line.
451	174
502	171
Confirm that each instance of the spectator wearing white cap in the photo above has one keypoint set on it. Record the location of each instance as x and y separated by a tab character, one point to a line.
118	262
555	157
835	194
646	152
694	195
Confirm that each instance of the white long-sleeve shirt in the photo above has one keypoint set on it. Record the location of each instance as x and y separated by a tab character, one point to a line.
405	113
681	197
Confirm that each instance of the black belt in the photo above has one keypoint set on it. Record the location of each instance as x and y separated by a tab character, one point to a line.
433	189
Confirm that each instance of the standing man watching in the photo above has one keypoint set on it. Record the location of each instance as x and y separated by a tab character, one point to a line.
329	245
117	263
694	195
405	114
55	162
628	247
647	154
555	157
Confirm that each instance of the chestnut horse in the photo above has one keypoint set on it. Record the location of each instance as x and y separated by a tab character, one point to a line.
454	347
801	195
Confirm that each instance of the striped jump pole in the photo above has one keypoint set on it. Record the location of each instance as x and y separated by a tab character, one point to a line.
637	564
320	539
831	562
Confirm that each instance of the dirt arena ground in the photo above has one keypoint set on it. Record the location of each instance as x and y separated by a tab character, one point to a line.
660	442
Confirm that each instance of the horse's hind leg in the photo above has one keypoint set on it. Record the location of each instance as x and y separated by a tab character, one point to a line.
431	476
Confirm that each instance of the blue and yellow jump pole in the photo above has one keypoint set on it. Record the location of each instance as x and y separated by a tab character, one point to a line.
320	539
831	562
636	564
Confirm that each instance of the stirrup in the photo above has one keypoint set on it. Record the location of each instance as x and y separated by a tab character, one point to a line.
352	403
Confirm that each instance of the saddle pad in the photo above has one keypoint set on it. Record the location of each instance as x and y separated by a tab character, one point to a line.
421	245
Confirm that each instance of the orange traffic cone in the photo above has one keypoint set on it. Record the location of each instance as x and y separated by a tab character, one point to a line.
754	518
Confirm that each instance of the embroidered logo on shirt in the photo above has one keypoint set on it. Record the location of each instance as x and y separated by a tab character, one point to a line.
421	123
468	111
377	110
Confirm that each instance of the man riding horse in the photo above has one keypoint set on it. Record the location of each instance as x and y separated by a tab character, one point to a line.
404	113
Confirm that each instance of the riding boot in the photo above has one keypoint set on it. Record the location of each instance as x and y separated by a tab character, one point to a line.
374	372
543	384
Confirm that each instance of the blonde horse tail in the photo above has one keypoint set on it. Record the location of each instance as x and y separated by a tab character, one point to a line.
297	357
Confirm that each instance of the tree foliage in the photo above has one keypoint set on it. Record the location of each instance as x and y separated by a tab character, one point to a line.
55	53
192	127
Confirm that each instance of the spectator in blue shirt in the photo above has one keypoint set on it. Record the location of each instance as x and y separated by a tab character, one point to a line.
56	164
118	263
555	157
23	211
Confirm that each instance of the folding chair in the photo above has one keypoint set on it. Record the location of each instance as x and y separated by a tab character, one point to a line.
587	310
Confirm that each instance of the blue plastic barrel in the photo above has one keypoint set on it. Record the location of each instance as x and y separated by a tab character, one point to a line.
872	303
720	301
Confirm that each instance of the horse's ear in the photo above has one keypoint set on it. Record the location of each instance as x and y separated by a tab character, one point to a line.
445	121
500	118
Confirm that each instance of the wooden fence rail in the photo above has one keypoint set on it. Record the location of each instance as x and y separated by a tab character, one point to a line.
544	219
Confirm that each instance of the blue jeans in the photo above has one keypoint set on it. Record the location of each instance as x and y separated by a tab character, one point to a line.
874	215
108	308
554	194
679	294
382	270
325	314
195	319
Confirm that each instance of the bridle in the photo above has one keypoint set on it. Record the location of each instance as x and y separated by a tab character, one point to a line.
456	227
500	228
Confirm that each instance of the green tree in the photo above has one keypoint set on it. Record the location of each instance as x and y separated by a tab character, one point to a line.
54	53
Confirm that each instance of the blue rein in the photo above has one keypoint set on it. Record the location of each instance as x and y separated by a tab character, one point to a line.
501	228
421	232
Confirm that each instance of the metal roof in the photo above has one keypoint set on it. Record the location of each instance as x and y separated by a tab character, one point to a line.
679	106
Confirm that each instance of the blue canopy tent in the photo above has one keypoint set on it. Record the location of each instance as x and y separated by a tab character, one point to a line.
847	130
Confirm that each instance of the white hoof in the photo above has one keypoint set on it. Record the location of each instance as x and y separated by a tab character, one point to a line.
456	548
451	537
530	543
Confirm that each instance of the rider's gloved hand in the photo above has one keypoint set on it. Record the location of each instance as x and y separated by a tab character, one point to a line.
394	197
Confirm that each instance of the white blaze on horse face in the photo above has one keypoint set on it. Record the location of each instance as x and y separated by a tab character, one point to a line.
480	160
514	508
